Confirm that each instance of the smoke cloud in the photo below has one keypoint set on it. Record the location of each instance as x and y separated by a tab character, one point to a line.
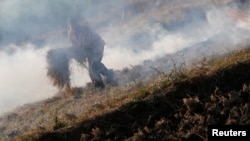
23	78
134	31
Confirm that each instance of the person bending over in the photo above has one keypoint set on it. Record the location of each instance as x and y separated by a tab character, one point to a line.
87	44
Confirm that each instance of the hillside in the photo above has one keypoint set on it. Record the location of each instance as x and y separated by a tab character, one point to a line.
194	71
176	107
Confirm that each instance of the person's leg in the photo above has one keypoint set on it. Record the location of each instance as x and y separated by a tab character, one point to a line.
95	74
100	68
106	72
96	67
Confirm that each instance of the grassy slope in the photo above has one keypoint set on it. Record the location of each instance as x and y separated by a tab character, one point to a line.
178	106
163	109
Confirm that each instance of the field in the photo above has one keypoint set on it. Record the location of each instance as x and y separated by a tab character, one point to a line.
174	96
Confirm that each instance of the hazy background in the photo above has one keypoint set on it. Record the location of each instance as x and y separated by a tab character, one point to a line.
144	30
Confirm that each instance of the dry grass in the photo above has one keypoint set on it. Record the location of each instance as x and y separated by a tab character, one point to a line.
58	67
173	105
176	108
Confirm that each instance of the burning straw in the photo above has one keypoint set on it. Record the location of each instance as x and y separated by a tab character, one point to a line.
58	61
58	67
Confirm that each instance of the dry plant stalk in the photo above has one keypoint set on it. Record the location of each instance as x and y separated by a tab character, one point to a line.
58	61
58	67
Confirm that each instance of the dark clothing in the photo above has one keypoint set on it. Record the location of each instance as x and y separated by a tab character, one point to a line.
83	36
89	45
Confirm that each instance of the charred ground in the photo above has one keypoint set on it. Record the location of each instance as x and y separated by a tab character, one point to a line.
176	108
162	99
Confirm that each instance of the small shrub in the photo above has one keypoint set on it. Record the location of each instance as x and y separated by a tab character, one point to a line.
57	123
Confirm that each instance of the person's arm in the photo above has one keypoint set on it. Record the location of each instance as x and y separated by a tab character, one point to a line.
85	36
73	39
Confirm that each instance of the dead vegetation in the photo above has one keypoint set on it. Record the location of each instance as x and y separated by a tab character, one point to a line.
58	67
173	105
176	108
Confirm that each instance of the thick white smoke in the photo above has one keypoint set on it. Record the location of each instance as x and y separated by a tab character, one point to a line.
23	77
129	39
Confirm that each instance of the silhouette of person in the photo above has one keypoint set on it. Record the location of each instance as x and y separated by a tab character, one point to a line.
87	44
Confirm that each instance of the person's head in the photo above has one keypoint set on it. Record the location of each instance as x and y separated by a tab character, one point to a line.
74	23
